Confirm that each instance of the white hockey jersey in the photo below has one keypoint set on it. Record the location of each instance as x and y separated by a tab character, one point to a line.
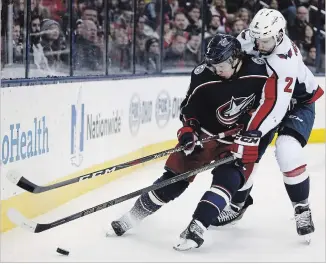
286	69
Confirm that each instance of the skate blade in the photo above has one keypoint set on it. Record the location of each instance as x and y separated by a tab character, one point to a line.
229	225
185	245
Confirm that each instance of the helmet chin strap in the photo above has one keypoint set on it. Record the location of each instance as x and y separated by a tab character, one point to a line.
235	67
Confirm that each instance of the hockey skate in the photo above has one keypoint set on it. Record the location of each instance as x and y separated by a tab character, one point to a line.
302	216
232	213
122	225
192	237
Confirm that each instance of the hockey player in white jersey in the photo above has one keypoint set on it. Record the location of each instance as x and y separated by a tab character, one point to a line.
266	40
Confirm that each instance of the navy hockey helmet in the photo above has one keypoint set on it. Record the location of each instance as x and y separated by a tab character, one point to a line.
222	47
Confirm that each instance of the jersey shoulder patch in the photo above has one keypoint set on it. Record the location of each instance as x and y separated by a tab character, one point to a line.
200	69
258	60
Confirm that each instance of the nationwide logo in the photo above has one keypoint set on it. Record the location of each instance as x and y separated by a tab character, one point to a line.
97	126
229	113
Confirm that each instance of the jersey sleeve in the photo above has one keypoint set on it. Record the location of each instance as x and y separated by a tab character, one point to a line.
276	95
186	108
308	80
193	105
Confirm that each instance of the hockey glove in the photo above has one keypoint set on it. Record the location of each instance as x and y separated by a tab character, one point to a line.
188	135
245	146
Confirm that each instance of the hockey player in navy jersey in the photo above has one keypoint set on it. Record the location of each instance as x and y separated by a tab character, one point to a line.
227	89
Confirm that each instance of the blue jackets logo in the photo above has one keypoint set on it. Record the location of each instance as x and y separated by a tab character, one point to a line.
97	126
23	142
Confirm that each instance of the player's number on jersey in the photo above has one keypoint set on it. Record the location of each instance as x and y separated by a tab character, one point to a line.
289	81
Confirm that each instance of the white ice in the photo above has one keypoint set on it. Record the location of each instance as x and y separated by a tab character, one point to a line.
266	233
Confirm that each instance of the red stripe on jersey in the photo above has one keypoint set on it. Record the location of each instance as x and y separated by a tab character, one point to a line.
319	93
270	95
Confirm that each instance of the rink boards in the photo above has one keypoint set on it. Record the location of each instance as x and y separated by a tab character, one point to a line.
57	132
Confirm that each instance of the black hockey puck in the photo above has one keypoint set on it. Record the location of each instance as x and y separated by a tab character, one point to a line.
63	251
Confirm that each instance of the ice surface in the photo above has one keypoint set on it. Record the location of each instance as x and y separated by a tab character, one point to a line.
267	232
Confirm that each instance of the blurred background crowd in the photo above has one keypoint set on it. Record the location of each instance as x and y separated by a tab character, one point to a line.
98	37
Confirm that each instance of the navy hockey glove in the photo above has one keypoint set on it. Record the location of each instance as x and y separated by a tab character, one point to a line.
245	146
188	135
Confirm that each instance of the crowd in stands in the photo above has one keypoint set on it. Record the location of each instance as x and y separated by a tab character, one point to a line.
179	30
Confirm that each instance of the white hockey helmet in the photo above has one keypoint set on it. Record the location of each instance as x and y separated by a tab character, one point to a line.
268	23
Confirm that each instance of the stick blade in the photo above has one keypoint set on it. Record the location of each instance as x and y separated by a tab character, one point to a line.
14	176
17	218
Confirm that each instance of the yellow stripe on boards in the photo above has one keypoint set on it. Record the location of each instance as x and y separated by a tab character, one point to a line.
32	205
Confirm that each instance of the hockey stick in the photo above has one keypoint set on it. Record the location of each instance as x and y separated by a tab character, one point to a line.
16	217
19	180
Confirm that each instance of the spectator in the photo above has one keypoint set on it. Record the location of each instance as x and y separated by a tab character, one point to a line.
53	43
90	13
193	52
143	29
150	13
310	60
35	30
302	14
193	16
120	51
245	16
38	58
17	44
18	12
88	55
214	27
39	10
152	55
167	10
141	8
125	19
273	4
140	49
174	56
180	21
238	26
81	4
218	7
297	31
309	39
